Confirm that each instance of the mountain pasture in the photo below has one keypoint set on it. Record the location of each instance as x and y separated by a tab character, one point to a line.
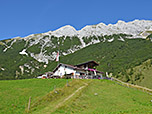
102	97
15	94
71	96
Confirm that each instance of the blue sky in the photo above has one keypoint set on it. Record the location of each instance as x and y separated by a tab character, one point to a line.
24	17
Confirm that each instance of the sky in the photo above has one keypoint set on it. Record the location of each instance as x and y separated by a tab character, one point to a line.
25	17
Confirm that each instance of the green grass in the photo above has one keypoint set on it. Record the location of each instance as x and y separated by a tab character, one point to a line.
147	81
14	94
50	102
140	75
146	74
98	97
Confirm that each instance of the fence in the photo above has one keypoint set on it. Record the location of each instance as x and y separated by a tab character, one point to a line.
133	86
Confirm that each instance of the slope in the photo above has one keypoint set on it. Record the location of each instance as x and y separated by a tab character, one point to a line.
99	96
114	53
15	94
140	75
114	57
24	57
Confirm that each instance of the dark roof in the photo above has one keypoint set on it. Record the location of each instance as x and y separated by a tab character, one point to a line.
77	67
90	64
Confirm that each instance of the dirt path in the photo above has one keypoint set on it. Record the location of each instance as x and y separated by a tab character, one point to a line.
149	91
49	110
71	95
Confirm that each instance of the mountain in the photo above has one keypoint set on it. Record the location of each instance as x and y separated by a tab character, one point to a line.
137	28
35	54
117	58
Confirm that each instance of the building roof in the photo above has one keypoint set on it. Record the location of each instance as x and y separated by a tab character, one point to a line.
70	66
90	64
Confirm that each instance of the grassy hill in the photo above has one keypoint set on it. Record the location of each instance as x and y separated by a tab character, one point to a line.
14	94
139	75
79	97
102	97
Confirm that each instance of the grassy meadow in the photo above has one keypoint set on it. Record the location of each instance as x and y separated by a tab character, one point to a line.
14	94
103	97
76	96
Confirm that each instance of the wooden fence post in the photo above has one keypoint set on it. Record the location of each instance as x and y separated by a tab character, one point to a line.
29	103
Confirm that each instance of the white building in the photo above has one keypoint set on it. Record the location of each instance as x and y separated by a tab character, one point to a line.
63	69
83	70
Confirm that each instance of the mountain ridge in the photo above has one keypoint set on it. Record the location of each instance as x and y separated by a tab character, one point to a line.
136	29
101	28
57	33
